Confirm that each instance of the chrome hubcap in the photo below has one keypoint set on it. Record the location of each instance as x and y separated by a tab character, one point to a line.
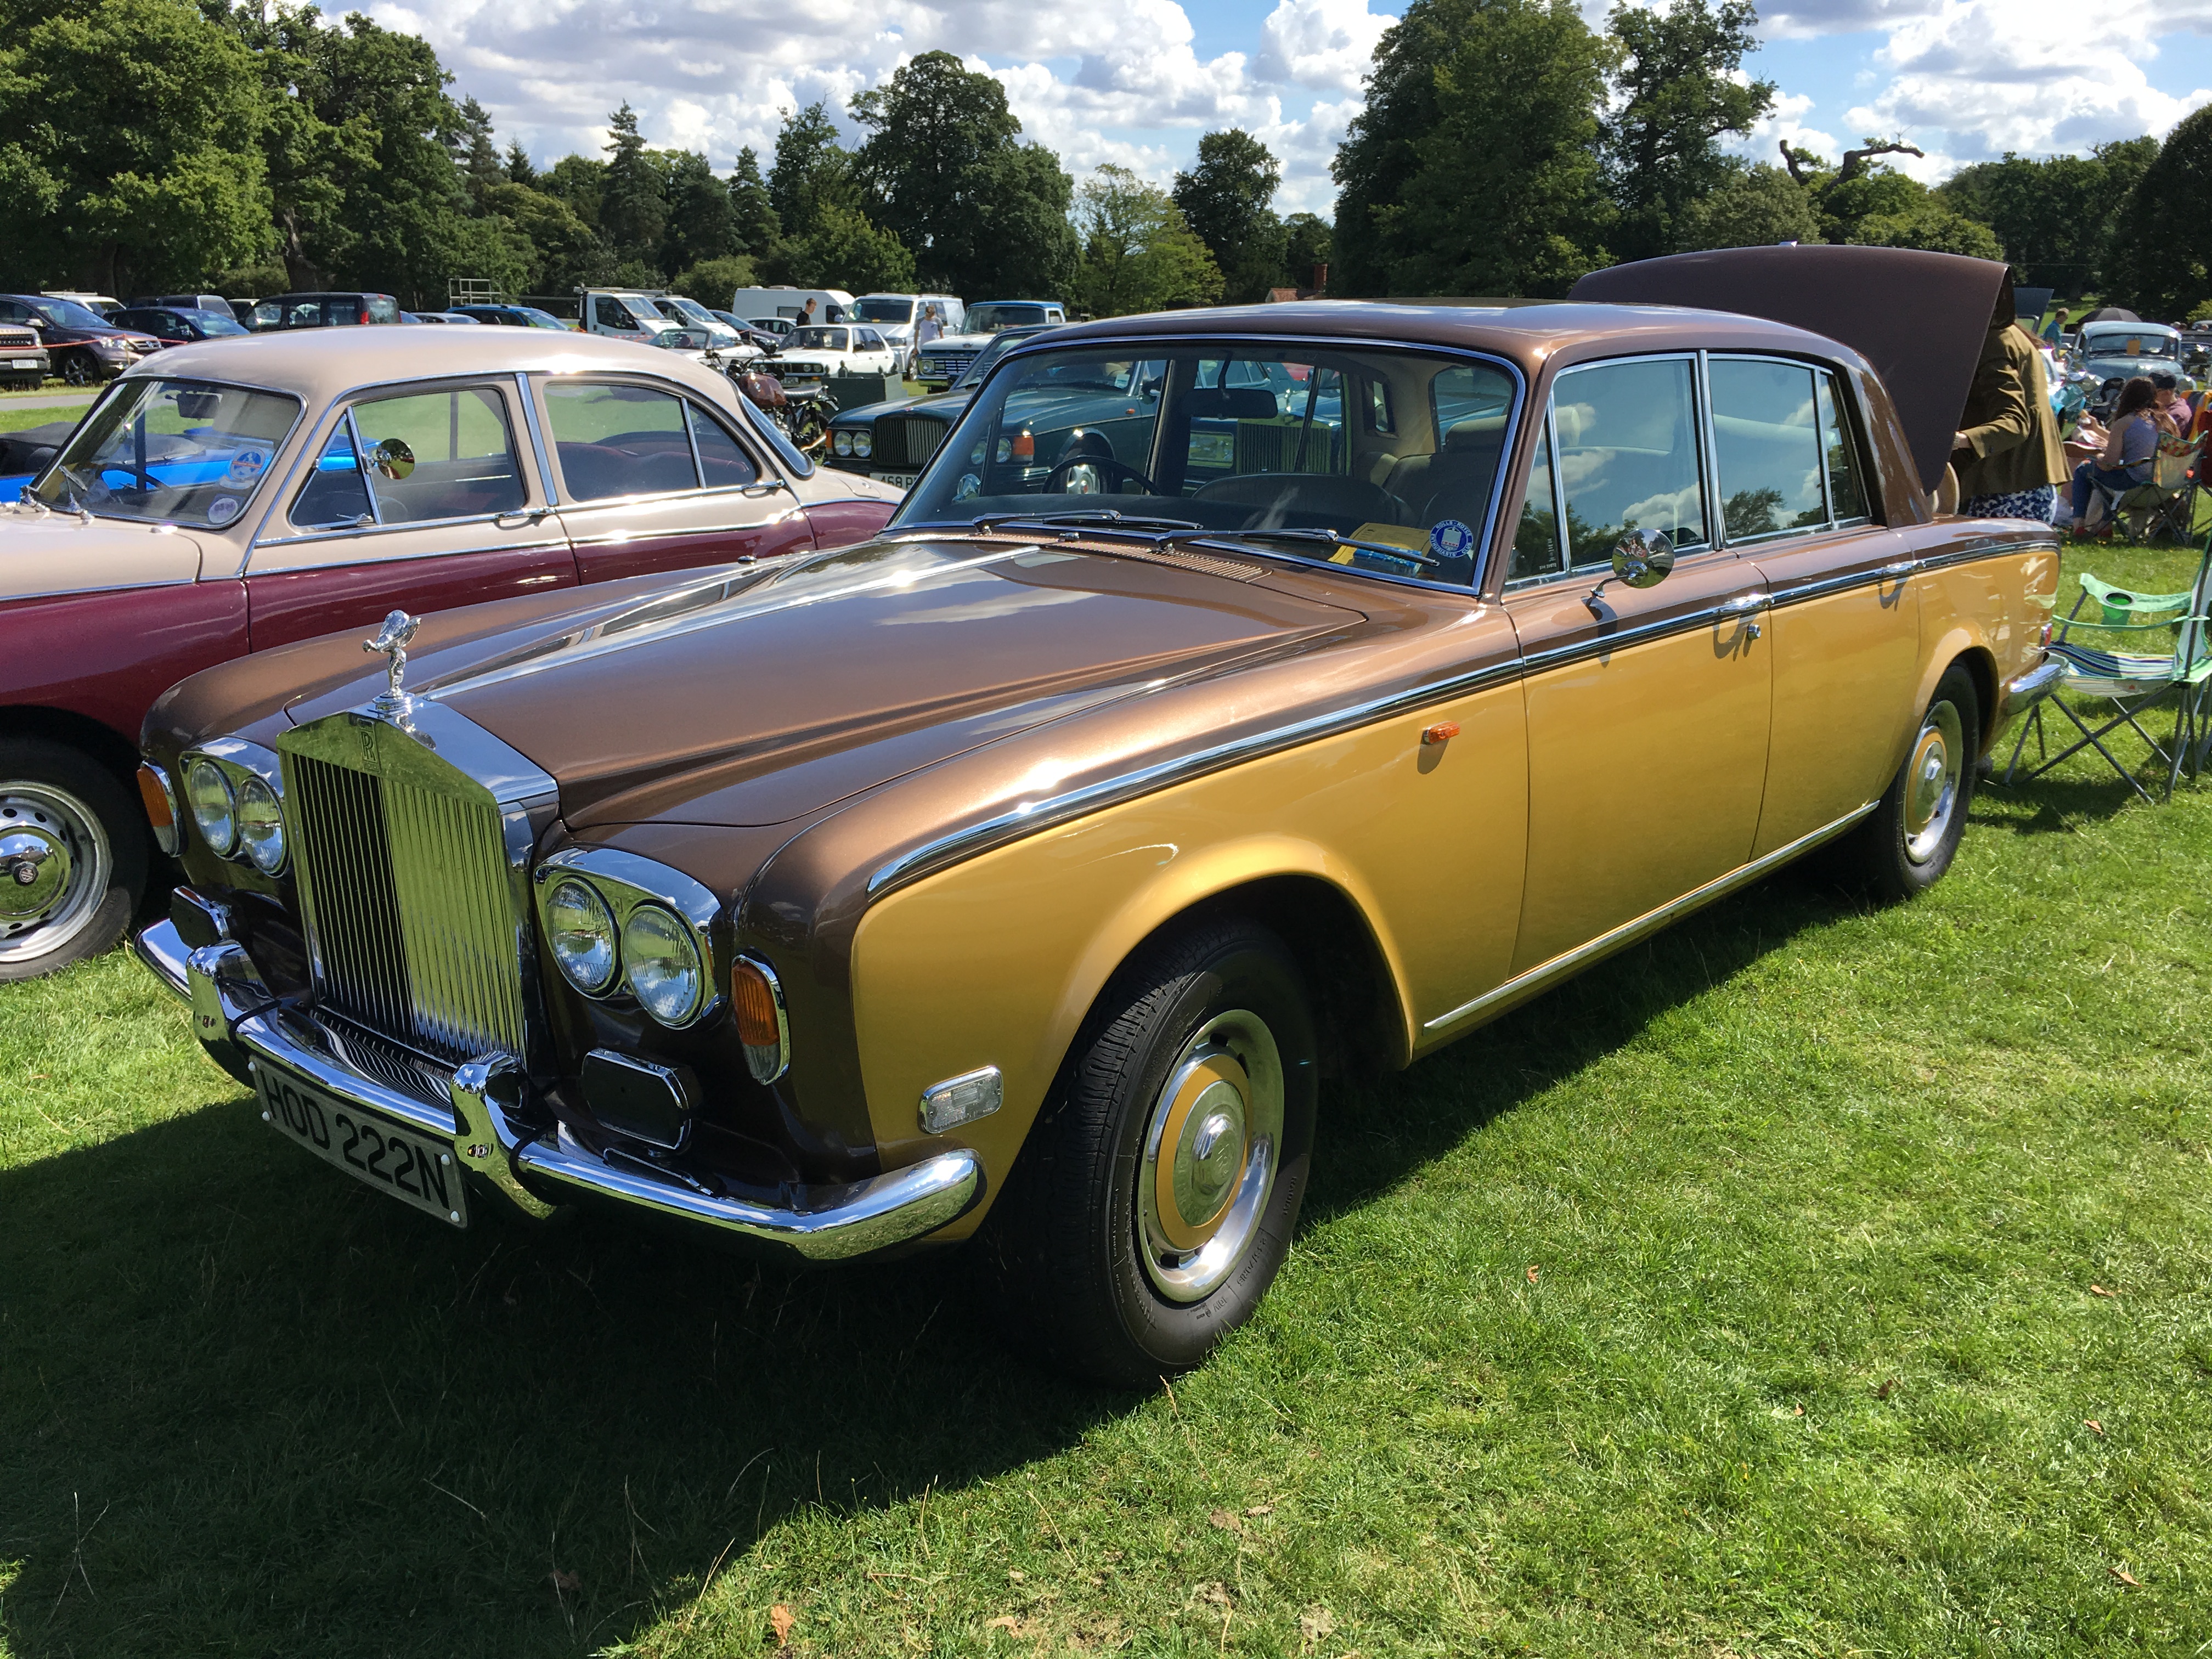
54	865
1209	1154
1931	782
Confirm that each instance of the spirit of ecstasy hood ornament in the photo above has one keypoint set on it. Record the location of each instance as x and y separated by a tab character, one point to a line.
392	642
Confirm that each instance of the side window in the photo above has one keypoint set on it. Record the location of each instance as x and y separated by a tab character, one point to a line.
335	494
439	455
1845	485
617	440
1767	448
723	465
1628	455
609	312
1536	538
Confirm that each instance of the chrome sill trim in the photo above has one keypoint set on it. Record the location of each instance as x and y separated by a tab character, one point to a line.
1582	956
163	951
1032	816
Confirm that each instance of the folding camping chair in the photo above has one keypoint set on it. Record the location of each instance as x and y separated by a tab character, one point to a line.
2165	503
2134	683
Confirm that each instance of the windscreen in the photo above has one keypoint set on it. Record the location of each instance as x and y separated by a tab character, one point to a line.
185	451
2125	343
884	311
1397	449
989	320
68	314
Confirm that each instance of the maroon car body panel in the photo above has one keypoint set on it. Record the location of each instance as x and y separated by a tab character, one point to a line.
285	605
106	656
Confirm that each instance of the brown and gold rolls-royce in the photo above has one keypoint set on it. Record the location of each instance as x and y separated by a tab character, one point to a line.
1239	696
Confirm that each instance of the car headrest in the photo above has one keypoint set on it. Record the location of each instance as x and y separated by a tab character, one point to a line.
1481	433
1232	403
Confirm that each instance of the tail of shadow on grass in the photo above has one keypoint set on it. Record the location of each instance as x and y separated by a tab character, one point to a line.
246	1406
1373	1134
2065	800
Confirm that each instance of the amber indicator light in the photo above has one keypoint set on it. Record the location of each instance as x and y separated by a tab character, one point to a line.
1442	731
156	799
1025	446
755	1006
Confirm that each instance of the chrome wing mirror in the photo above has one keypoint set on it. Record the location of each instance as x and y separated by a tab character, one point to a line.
1642	558
392	459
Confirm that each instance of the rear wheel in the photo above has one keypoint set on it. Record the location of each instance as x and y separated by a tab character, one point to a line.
1157	1197
73	855
1905	844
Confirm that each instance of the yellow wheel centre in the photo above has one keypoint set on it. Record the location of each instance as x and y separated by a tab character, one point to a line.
1204	1147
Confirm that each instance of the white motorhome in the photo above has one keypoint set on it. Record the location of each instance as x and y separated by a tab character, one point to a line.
791	302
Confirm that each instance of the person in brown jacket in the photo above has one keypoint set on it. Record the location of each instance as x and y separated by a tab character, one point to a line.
2007	454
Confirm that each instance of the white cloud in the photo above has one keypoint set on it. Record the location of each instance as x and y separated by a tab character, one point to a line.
1327	45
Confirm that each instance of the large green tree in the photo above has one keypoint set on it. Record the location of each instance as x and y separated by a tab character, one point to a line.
634	199
130	147
1679	87
1753	206
1228	199
1308	243
701	225
1138	253
2161	259
754	227
812	171
1474	169
844	250
2055	217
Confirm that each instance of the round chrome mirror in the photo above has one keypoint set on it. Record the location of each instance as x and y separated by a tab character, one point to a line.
392	458
1643	558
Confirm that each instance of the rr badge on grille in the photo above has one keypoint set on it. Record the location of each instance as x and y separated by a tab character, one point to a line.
392	640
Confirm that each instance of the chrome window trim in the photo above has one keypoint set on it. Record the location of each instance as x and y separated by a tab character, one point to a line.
625	539
1699	416
533	417
1487	533
1819	367
343	403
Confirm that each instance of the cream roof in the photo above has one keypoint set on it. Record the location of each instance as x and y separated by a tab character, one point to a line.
322	363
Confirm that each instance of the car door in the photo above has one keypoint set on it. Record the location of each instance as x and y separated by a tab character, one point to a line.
416	498
1648	707
1844	630
651	479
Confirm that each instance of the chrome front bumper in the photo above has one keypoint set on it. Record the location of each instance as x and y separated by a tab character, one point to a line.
242	1025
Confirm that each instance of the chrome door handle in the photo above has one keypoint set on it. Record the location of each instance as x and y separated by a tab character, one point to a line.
1901	569
1747	604
766	487
517	519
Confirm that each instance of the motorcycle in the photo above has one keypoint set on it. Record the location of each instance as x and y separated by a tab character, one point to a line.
803	416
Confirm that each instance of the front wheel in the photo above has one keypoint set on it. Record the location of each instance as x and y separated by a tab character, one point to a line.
1905	844
1157	1194
73	855
79	369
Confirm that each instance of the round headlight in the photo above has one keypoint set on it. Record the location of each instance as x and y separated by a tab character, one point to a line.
581	931
864	444
842	441
666	973
260	826
215	809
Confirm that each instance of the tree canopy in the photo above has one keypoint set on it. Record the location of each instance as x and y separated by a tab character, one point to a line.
1227	199
1138	253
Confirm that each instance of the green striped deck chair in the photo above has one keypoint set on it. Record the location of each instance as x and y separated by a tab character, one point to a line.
2131	685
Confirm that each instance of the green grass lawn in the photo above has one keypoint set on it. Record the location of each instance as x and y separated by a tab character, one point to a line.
1811	1280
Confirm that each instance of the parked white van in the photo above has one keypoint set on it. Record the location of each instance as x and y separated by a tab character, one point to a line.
897	316
791	302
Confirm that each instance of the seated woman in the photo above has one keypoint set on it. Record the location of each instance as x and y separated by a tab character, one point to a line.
2129	448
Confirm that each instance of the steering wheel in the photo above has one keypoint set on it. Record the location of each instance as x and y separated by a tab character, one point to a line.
1112	472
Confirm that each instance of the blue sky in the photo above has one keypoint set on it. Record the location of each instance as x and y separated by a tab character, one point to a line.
1136	81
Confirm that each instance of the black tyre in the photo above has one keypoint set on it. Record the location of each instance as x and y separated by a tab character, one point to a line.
81	368
1154	1201
1905	844
73	856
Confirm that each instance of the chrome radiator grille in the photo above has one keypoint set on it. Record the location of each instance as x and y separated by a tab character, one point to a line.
409	910
907	442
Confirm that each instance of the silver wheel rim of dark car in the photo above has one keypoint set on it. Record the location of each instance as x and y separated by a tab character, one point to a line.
1212	1145
1931	782
55	866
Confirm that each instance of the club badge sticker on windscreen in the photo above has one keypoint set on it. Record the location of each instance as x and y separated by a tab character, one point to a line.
246	466
1450	539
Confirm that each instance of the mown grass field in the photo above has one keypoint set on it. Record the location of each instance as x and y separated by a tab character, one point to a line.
1812	1280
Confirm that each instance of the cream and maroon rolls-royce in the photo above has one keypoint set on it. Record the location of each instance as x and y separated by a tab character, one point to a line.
1346	674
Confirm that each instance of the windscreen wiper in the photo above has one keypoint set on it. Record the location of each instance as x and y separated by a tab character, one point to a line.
1330	538
1105	518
